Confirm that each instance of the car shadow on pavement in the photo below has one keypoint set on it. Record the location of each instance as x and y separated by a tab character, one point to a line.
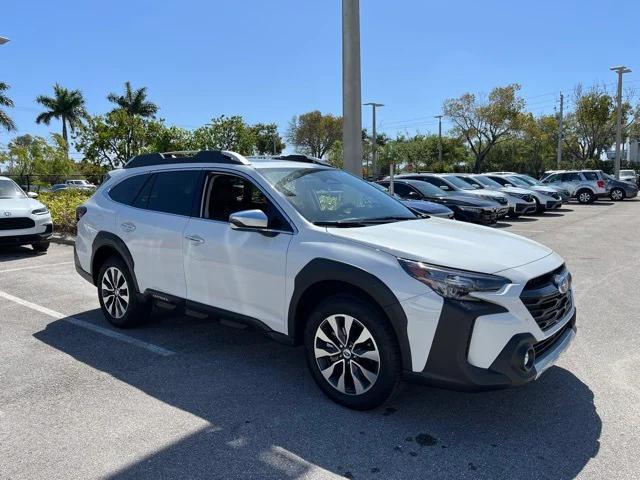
16	253
268	420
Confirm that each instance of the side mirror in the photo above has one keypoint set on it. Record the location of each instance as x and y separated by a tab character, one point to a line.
249	220
413	194
444	187
508	185
32	195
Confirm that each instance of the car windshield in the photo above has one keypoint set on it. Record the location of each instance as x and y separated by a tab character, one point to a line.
487	182
528	180
9	189
334	197
461	184
518	182
428	189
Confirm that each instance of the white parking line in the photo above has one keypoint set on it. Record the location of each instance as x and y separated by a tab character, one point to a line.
89	326
35	266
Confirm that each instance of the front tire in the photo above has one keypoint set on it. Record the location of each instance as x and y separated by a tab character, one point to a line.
119	301
41	247
352	352
585	197
616	194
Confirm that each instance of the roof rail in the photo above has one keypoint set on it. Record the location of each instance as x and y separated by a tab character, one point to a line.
297	157
188	156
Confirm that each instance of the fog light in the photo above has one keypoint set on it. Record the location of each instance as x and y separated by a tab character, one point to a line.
529	358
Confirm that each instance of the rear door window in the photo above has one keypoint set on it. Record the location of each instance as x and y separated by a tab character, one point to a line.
591	175
174	192
401	189
127	190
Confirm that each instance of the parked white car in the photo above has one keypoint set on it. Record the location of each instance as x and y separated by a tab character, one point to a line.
588	185
81	184
316	256
23	219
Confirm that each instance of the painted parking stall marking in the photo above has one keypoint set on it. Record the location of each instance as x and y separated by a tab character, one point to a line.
89	326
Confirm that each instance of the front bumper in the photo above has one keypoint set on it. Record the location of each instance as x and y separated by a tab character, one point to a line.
524	208
485	216
553	204
26	237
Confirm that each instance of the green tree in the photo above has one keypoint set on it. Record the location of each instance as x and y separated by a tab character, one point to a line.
590	128
134	102
28	155
112	139
66	105
226	133
314	133
5	120
267	139
484	124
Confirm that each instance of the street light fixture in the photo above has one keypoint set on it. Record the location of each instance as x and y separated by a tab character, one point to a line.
3	40
374	137
620	70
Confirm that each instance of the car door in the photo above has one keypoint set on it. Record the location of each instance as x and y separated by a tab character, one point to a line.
153	229
239	271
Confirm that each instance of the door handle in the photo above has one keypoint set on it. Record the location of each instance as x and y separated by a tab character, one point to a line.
197	239
128	226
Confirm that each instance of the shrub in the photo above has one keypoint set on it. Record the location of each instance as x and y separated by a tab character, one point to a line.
62	205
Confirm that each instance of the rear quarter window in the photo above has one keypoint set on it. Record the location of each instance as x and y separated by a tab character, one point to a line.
591	175
127	190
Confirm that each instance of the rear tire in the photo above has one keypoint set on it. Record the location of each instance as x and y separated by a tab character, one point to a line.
616	194
585	197
352	352
119	301
41	247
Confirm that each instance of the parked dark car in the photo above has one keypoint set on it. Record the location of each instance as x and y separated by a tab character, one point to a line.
423	206
619	189
465	207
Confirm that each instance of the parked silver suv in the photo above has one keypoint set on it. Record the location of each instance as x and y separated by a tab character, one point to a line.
588	185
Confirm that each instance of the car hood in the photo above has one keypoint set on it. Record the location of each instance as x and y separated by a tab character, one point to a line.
450	244
518	190
543	189
18	205
467	200
426	206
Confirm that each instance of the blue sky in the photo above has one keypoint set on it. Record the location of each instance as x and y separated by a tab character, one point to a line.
269	60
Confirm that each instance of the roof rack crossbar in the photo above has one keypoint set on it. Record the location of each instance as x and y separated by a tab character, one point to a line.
169	158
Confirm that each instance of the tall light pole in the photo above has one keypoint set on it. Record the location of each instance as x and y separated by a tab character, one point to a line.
374	136
439	117
560	118
3	40
351	97
620	70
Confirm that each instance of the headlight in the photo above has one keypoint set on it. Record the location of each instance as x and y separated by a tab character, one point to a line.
470	209
40	211
450	283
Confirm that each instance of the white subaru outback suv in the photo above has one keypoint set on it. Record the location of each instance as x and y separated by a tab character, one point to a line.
315	256
23	219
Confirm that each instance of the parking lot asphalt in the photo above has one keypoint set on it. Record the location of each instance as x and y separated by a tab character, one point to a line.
187	397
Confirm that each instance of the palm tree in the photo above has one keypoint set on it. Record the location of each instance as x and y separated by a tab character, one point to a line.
134	102
66	105
5	120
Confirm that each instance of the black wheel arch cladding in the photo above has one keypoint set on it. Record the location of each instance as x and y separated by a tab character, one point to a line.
115	243
322	270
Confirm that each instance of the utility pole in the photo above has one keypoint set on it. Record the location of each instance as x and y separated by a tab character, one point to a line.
351	97
439	117
374	136
620	70
560	130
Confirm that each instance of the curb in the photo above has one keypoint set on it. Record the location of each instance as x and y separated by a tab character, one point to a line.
63	239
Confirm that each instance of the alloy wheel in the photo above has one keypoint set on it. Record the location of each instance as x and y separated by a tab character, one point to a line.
616	194
584	197
346	354
115	292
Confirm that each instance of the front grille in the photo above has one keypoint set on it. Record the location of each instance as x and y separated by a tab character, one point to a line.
16	223
548	343
544	301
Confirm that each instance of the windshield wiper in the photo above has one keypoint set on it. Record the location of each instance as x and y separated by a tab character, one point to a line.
340	223
387	219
